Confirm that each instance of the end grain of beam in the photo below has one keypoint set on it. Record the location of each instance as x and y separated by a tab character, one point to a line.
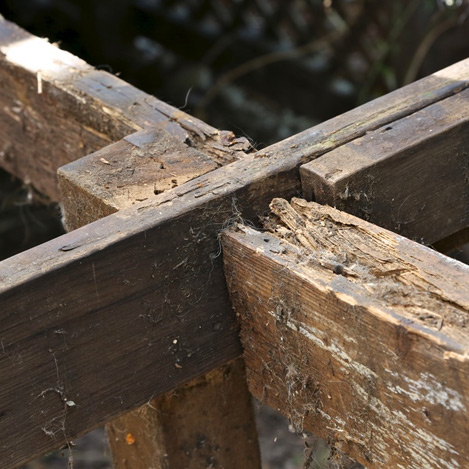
410	176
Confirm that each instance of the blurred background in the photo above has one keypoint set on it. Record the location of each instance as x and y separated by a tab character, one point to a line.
265	69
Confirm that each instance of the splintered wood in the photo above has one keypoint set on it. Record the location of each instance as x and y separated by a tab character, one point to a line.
136	281
355	333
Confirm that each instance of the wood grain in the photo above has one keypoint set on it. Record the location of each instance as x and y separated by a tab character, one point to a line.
56	108
203	424
411	176
130	285
209	421
355	333
103	304
127	172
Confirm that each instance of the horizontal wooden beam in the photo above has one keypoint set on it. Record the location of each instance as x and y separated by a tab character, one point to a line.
410	176
56	108
355	333
104	317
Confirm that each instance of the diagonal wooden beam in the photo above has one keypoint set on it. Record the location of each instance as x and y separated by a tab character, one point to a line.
210	420
56	108
356	334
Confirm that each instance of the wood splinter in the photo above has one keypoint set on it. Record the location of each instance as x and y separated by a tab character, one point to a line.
377	361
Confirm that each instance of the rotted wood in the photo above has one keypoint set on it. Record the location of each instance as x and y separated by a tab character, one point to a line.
116	285
209	421
203	424
355	333
411	176
56	108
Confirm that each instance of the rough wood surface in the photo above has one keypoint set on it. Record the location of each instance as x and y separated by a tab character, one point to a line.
129	284
159	271
164	434
355	333
104	330
56	108
411	176
132	170
210	421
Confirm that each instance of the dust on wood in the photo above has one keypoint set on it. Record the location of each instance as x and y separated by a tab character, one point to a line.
154	253
355	333
130	171
195	425
396	273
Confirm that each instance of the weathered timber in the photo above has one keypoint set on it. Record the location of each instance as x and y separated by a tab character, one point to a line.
56	108
341	129
197	425
130	171
411	176
355	333
164	434
159	272
105	303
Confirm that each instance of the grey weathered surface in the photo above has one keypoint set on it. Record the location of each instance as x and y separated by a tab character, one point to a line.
355	333
55	108
411	176
91	317
127	172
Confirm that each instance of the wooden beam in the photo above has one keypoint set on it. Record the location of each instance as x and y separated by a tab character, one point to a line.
55	108
134	282
355	333
209	421
103	195
410	176
127	172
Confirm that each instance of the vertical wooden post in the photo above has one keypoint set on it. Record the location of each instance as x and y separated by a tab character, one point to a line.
208	422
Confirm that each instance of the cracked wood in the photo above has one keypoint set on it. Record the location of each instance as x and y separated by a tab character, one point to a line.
115	284
411	176
194	425
373	355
